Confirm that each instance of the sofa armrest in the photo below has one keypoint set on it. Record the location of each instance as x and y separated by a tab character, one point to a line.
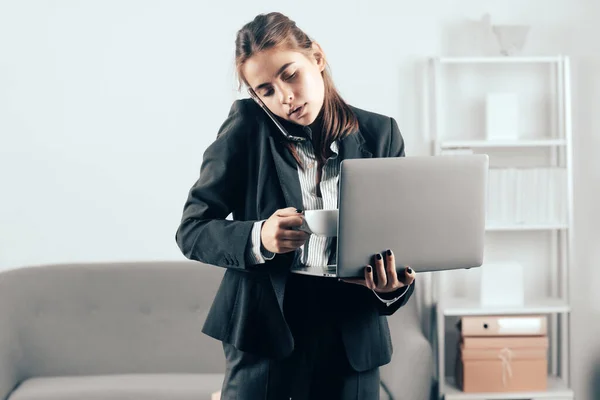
8	341
409	375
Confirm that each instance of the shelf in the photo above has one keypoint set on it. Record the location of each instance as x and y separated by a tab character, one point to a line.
457	144
541	227
499	60
557	390
554	224
461	306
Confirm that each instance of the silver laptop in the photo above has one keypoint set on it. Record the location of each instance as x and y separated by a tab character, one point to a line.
429	210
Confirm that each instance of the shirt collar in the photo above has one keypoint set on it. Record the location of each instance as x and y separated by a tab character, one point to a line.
335	148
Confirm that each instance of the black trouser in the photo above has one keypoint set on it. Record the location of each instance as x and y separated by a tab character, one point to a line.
316	369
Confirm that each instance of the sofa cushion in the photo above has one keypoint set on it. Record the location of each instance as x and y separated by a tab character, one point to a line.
120	387
113	318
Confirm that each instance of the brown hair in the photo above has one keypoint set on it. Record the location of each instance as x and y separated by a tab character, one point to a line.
272	30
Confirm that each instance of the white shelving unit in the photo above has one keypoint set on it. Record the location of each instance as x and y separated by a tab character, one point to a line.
557	145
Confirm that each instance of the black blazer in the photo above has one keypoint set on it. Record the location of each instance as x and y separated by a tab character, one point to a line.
247	171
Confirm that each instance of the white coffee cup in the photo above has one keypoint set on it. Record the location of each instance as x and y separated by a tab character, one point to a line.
321	222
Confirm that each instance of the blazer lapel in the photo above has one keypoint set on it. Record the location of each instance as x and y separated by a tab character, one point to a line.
287	172
353	146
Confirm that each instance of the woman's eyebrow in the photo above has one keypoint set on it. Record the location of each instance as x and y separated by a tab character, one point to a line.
279	72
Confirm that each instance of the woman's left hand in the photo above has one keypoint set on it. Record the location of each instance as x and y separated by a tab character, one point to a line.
387	279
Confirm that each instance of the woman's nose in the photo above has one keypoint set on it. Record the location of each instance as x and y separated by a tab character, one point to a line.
287	96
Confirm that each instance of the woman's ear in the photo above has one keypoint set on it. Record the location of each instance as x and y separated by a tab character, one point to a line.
319	56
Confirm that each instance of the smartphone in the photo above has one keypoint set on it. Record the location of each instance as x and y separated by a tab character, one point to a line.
262	105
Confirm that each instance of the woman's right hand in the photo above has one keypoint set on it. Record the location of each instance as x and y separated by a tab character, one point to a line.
278	235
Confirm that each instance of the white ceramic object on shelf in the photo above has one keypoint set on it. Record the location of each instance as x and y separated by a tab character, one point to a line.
502	116
511	38
502	285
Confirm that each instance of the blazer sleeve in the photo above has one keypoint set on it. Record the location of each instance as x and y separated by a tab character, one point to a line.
396	146
204	234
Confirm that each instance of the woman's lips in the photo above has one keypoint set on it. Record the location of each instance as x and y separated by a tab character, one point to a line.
298	112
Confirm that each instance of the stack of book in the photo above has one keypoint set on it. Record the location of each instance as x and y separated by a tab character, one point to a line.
502	353
526	196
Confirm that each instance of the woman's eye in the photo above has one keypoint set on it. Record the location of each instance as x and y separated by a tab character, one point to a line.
268	92
290	76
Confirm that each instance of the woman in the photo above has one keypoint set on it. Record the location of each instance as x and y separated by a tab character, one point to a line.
287	335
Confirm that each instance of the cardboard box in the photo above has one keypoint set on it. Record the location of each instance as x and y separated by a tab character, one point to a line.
502	364
500	342
504	325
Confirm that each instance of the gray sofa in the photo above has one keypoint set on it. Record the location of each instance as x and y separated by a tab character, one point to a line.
131	331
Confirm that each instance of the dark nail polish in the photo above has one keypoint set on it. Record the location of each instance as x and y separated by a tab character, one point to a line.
369	269
298	211
378	256
388	252
409	270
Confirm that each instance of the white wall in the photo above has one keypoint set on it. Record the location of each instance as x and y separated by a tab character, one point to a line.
586	280
107	107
